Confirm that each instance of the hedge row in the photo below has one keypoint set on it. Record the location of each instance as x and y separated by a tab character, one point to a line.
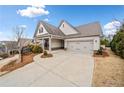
117	44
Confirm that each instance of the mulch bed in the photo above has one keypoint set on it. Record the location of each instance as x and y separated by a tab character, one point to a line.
104	54
26	59
46	56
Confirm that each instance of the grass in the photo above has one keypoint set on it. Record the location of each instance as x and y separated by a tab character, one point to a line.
108	71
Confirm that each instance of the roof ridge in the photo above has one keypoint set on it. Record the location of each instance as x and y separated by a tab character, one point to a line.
47	26
48	23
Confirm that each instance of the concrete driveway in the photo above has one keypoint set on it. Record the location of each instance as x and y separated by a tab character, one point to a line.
64	69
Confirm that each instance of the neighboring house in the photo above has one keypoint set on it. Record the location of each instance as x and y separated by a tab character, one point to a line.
9	46
83	38
24	42
2	48
13	45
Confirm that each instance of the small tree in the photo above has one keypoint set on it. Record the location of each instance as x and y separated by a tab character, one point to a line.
105	42
18	32
117	44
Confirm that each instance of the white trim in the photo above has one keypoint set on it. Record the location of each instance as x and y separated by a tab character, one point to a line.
44	30
49	44
67	29
96	45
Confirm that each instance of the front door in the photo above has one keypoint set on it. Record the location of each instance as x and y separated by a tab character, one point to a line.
46	44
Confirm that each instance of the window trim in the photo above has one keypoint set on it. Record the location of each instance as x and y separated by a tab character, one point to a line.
41	30
63	25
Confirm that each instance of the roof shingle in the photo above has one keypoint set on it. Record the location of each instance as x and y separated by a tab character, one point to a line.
52	29
91	29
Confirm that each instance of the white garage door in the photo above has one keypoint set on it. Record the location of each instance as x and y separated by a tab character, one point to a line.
80	46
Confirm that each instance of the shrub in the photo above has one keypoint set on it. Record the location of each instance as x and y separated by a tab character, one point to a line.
105	42
100	51
4	55
16	52
13	52
117	44
37	49
46	55
31	46
122	54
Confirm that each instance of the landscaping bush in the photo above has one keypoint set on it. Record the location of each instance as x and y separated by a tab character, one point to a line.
16	52
122	53
100	51
46	55
31	46
13	52
105	42
4	55
117	44
37	49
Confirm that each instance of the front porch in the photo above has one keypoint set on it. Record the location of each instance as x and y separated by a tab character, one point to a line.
49	43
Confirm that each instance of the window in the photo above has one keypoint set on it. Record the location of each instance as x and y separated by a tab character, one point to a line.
41	30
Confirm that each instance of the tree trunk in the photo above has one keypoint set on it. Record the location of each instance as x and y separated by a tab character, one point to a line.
20	57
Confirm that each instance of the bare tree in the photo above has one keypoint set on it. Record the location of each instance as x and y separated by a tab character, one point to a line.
18	32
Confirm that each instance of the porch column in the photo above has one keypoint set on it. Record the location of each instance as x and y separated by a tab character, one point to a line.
42	42
49	44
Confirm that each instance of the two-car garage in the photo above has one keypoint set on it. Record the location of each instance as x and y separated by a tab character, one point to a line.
85	47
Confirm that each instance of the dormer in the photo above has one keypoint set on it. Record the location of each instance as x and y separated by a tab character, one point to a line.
41	30
66	28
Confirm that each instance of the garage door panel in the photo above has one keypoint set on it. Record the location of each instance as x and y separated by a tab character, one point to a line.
80	46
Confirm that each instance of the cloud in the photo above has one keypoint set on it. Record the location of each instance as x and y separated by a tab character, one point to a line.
46	19
23	26
33	11
111	27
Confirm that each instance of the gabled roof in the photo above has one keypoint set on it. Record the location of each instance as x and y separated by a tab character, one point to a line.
68	24
51	29
91	29
36	29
